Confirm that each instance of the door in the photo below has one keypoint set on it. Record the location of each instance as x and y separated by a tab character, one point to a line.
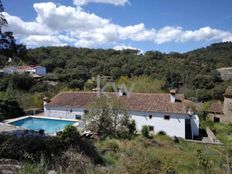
188	129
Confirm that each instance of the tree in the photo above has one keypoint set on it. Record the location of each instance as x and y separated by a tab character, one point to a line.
7	39
132	127
108	117
20	82
9	108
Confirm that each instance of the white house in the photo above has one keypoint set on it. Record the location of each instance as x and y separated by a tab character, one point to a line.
32	70
161	112
38	70
9	70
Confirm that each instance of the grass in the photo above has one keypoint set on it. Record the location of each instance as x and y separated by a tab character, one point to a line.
162	154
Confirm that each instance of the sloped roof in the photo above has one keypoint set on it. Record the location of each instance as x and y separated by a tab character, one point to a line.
27	67
134	102
216	108
228	92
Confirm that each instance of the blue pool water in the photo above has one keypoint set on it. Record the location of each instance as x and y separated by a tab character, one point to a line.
49	126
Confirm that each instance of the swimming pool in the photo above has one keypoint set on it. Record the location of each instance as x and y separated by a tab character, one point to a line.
50	126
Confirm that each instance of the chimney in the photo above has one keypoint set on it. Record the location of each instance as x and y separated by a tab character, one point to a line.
45	102
173	95
190	111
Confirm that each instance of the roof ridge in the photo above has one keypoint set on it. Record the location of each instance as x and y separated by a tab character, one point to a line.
140	93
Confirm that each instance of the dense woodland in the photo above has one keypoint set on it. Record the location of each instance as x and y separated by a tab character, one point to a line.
192	73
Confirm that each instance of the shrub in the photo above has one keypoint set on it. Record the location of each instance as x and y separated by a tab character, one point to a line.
70	136
33	147
32	168
111	143
176	139
162	133
132	127
145	131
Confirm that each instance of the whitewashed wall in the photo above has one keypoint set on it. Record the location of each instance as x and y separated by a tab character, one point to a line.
63	112
173	127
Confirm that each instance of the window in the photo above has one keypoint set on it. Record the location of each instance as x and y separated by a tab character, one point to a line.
71	110
150	116
216	120
167	117
151	128
78	117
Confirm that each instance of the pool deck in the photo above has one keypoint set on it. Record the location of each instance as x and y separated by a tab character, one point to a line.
10	129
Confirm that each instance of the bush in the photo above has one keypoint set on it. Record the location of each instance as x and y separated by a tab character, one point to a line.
111	143
145	131
70	136
31	148
9	108
162	133
132	127
32	168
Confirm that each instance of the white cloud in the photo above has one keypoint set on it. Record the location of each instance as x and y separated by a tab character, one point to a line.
206	33
43	40
61	25
136	32
64	18
21	28
113	2
167	34
124	47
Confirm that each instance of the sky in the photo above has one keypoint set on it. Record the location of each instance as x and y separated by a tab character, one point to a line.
163	25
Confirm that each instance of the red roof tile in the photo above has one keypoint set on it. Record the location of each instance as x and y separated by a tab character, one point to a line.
216	108
135	102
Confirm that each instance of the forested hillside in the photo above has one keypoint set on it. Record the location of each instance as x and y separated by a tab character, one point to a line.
193	73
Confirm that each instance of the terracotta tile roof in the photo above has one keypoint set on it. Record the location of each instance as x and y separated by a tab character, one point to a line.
228	92
216	108
135	102
25	68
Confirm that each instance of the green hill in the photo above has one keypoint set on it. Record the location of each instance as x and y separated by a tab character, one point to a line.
189	72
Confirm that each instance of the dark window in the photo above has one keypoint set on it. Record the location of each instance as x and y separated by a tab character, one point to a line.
216	120
71	110
150	116
78	117
167	117
151	128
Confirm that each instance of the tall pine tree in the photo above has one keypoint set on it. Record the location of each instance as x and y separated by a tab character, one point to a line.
7	40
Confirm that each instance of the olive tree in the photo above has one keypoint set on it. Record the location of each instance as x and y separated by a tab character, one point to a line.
108	117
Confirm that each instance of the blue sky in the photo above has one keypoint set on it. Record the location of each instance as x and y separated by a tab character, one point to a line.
164	25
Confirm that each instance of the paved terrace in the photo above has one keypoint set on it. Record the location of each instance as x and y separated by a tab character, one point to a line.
10	129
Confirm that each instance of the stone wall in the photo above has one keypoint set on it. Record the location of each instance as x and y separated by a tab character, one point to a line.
227	109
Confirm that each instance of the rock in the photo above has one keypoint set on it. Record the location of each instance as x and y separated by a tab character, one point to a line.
8	166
